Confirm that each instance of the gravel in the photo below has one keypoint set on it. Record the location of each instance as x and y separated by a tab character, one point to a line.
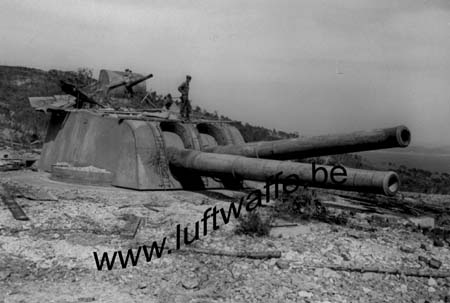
50	257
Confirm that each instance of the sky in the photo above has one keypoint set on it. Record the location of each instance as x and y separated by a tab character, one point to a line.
311	66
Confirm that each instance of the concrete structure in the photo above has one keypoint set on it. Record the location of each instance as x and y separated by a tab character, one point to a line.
152	153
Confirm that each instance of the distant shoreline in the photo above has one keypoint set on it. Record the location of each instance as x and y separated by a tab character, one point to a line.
431	154
433	162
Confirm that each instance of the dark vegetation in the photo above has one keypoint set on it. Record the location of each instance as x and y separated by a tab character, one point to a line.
21	124
412	179
423	181
253	224
16	85
304	205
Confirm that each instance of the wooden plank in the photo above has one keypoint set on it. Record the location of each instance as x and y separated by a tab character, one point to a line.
131	227
13	206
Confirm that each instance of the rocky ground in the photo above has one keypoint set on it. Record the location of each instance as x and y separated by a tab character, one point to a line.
50	257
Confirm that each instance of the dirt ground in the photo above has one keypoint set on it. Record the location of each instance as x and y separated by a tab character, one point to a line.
50	257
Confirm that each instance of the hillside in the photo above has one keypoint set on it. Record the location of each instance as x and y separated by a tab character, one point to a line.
434	160
20	123
420	149
412	179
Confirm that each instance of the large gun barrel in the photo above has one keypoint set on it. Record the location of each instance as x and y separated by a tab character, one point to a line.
399	136
240	168
81	95
137	81
129	85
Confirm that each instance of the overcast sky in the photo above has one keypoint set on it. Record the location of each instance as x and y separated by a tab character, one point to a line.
310	66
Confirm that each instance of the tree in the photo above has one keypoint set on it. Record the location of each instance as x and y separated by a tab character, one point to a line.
84	77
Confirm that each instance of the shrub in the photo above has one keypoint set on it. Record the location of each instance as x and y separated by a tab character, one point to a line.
252	223
303	203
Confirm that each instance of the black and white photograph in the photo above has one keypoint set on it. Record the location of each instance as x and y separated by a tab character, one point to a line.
201	151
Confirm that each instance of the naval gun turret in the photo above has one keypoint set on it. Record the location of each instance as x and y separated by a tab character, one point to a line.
146	152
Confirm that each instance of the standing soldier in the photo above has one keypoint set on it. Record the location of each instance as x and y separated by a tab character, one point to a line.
185	104
127	79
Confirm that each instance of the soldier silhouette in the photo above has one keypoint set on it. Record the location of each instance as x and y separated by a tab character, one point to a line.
185	103
168	101
127	78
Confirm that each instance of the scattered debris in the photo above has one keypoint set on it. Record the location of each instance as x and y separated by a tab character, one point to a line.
438	242
302	244
10	165
15	161
28	192
326	273
438	235
282	264
150	207
191	283
305	294
238	254
407	249
89	175
370	276
86	299
345	256
13	206
432	282
284	225
424	246
423	222
433	263
353	234
132	226
4	274
413	272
